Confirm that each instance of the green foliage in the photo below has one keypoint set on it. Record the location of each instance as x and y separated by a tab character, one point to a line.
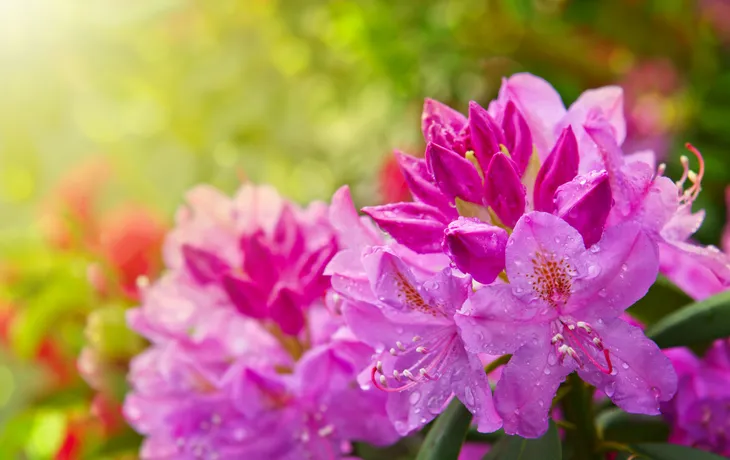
694	324
447	434
547	447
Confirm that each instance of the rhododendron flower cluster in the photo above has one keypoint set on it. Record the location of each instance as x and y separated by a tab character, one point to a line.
277	328
246	360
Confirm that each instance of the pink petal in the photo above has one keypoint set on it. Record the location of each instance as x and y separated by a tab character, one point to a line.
609	100
709	256
205	267
485	134
471	386
493	321
525	391
540	104
245	296
415	225
454	174
421	183
585	203
440	123
625	264
559	167
504	190
351	229
286	310
643	375
394	284
517	137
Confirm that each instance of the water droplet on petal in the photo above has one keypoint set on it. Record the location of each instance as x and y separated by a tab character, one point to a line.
547	371
625	366
595	248
624	267
594	270
602	293
414	397
468	396
610	389
552	359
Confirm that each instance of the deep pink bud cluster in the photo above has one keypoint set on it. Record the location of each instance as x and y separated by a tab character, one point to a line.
249	357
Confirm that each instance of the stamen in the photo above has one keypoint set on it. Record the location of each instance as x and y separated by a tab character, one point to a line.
661	169
393	352
416	338
326	431
400	346
396	375
383	380
379	366
557	338
584	326
408	375
421	350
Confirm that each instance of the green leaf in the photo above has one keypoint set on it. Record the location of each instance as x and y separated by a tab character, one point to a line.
619	426
694	324
663	298
547	447
661	451
444	439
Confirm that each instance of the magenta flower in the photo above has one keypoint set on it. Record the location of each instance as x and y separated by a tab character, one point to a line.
560	313
422	362
698	414
482	167
233	373
661	207
316	411
221	243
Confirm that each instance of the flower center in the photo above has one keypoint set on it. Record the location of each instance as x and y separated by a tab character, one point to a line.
421	360
412	298
551	279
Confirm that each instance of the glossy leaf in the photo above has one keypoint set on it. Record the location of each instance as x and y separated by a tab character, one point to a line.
663	298
548	447
618	426
662	451
694	324
444	440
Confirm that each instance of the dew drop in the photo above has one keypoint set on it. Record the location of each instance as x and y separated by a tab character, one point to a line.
424	420
610	389
552	359
414	397
547	371
557	239
625	366
624	267
594	270
602	293
541	403
468	396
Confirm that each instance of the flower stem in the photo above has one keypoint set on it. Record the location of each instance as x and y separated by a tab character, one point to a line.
501	361
578	410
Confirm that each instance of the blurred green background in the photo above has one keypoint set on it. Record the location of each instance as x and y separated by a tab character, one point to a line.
110	110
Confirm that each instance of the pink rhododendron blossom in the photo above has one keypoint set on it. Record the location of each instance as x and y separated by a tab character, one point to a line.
425	362
222	242
402	304
482	167
698	414
232	373
560	313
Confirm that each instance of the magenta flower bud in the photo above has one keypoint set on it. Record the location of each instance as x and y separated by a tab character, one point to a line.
485	133
455	175
505	193
440	123
417	226
559	167
420	181
476	248
245	295
585	203
205	267
518	138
